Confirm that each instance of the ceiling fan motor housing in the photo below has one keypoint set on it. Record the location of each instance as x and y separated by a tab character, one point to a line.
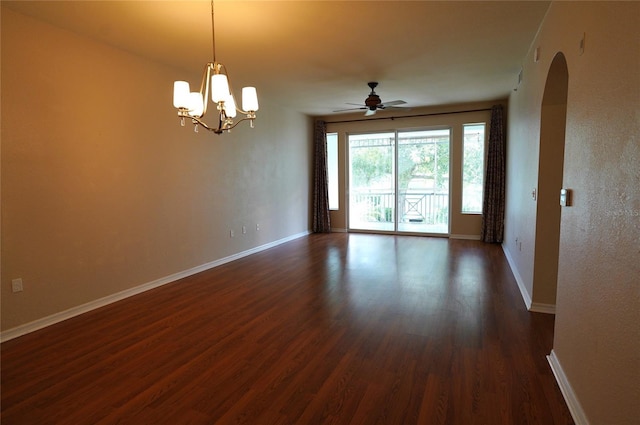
372	101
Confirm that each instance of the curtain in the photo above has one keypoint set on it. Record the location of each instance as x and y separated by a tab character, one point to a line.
494	185
321	220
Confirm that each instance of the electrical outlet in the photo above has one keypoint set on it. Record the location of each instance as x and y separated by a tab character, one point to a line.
244	230
231	234
16	285
257	227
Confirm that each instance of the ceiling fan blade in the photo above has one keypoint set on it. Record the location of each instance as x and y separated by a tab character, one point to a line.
404	108
393	103
349	109
373	103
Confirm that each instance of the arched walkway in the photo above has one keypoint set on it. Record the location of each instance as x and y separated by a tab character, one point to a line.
550	171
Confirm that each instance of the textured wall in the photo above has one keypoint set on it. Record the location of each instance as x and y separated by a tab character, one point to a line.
597	337
102	190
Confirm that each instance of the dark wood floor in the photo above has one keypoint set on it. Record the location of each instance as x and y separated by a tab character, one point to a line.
326	329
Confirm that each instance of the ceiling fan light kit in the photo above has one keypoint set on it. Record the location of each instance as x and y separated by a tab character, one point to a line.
215	81
373	103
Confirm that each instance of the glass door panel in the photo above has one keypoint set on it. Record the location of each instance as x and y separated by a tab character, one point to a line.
423	181
372	200
399	186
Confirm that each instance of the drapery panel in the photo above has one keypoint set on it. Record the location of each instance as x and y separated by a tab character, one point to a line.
494	185
321	218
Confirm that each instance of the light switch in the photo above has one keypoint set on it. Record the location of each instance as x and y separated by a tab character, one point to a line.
565	198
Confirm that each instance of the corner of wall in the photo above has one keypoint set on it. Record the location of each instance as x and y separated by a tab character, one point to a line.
526	297
577	413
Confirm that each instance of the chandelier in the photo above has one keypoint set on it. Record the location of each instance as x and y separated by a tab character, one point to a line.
215	81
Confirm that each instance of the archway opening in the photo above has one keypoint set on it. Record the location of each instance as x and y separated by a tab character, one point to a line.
553	120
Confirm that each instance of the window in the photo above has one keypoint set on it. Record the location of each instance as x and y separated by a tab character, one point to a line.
473	168
332	170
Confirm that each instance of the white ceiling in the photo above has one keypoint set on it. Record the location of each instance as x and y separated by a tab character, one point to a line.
316	56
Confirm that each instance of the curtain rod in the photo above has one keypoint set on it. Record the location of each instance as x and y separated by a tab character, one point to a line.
409	116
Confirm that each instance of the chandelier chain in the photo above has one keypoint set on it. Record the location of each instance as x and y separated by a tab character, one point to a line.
213	33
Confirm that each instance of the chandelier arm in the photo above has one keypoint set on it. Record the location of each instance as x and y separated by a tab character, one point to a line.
223	69
223	123
204	125
222	127
226	128
204	86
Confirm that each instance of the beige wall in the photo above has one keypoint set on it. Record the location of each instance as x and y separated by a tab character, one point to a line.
103	191
462	225
597	337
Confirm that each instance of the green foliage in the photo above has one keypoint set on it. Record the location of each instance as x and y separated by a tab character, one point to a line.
427	159
370	164
473	169
422	158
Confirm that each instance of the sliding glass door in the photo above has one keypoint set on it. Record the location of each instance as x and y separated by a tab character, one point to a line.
399	181
423	181
372	201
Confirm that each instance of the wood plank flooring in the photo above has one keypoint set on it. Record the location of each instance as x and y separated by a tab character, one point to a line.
326	329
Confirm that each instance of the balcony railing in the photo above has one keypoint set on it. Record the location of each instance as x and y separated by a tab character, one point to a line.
420	207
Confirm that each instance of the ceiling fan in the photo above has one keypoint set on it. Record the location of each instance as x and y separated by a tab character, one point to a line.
373	102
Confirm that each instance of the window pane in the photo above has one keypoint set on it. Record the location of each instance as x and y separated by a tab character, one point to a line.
332	170
473	168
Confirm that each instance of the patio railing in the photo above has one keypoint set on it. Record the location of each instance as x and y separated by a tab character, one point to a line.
413	206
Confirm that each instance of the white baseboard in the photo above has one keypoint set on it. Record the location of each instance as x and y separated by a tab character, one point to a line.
467	237
118	296
543	308
577	413
523	290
